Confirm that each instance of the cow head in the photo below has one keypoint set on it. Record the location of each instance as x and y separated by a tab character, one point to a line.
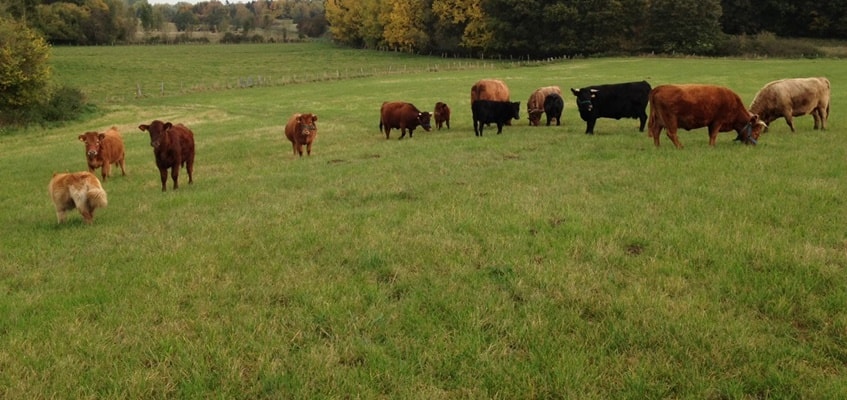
751	131
158	131
535	116
306	124
92	141
423	119
584	99
516	109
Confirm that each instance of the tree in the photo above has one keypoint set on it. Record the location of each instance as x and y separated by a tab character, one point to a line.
405	28
684	26
24	71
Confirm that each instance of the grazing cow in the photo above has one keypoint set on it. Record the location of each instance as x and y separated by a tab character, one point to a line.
487	111
103	150
535	104
80	190
789	98
620	100
696	106
490	89
300	130
402	116
553	106
173	146
442	115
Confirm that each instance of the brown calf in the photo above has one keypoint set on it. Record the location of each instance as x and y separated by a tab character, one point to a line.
103	150
441	113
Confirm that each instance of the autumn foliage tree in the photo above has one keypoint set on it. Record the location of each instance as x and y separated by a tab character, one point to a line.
24	71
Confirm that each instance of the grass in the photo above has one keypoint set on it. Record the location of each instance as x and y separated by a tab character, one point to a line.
540	263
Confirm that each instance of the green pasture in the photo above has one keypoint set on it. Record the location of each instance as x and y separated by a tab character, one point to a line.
539	263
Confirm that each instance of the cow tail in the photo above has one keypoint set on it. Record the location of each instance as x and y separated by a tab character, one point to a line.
97	198
651	118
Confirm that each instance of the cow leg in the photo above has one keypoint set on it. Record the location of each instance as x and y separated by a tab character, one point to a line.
122	164
60	215
402	133
816	114
294	148
589	126
309	148
87	215
448	123
106	170
175	175
387	131
411	131
642	120
163	172
713	135
672	134
790	121
499	127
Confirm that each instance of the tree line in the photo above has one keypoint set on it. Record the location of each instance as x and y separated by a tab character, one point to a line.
97	22
544	28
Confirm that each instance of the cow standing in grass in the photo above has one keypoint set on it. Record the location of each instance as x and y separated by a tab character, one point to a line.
535	104
696	106
173	147
497	112
302	130
618	100
441	113
403	116
104	149
789	98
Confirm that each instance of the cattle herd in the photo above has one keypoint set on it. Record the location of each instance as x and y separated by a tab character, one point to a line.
686	106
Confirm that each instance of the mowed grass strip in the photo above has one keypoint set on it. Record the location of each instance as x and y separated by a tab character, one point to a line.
538	263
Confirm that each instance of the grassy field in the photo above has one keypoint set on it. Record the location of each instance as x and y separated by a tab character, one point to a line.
539	263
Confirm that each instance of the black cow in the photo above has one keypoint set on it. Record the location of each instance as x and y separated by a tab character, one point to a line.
498	112
621	100
553	106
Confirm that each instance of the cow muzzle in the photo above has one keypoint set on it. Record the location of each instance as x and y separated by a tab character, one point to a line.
92	153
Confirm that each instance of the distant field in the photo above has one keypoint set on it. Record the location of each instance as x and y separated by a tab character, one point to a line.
539	263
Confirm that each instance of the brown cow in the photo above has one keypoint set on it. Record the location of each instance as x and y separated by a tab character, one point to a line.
789	98
441	114
300	130
103	150
402	116
695	106
490	89
173	146
535	104
80	190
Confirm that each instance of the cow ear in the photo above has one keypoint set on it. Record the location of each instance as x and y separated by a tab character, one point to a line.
101	136
143	127
167	125
81	138
575	91
314	117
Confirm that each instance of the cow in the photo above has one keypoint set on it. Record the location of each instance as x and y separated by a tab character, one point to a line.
620	100
789	98
301	130
490	89
173	147
403	116
441	114
553	106
695	106
498	112
535	104
104	149
80	190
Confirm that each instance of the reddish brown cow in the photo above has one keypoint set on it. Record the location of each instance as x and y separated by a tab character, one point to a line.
173	146
696	106
103	150
789	98
489	89
441	115
535	104
80	190
402	116
300	130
